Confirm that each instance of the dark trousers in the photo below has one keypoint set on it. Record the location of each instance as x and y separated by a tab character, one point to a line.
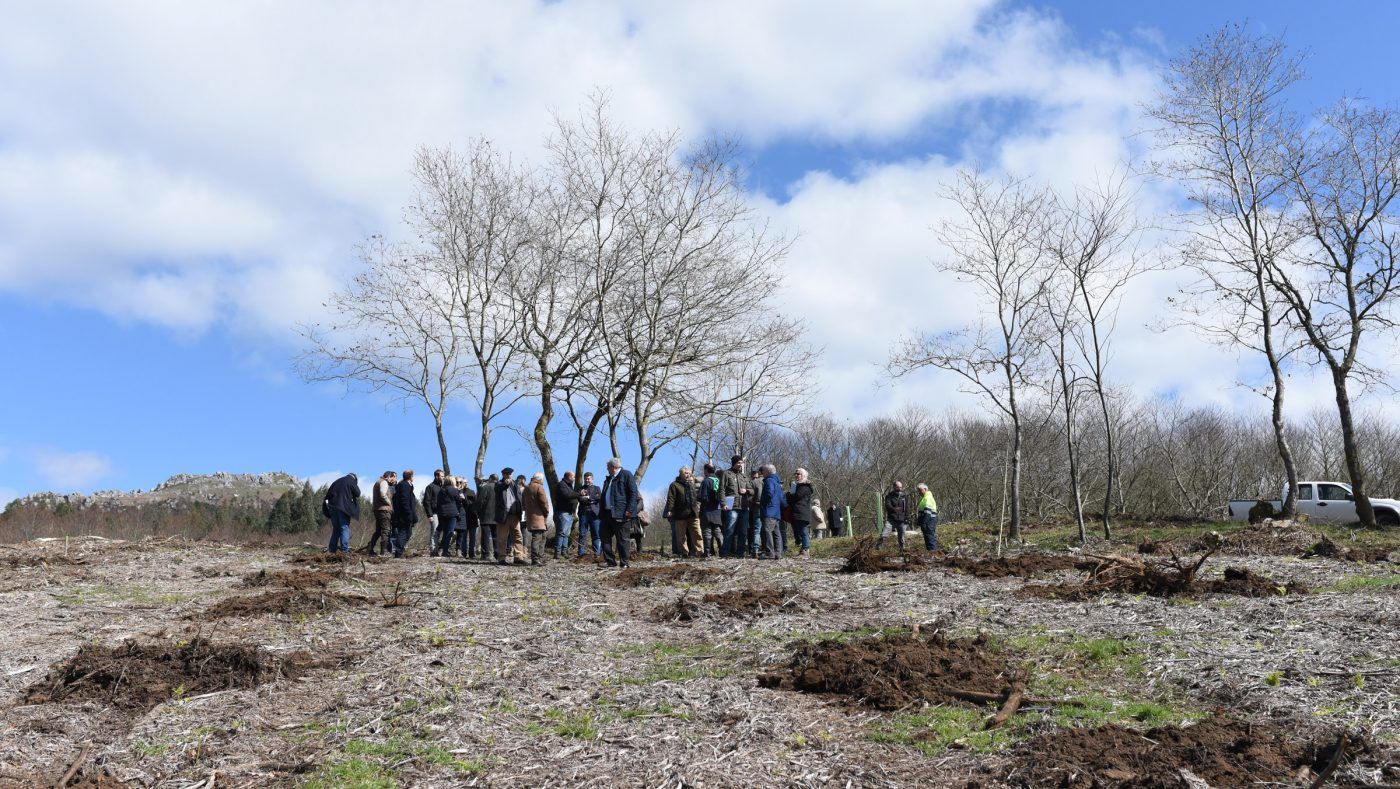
488	540
381	531
614	531
403	532
928	524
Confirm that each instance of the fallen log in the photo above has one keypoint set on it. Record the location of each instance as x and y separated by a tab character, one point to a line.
1013	703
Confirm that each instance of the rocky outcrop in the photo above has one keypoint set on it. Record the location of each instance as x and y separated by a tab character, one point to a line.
180	490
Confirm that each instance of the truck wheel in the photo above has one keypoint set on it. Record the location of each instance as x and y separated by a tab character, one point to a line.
1387	518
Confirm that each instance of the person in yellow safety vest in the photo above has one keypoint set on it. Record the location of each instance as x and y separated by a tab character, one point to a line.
926	513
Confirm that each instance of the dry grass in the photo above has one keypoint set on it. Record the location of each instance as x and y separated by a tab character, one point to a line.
550	676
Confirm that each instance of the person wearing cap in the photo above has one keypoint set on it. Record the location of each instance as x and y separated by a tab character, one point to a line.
926	511
342	505
733	487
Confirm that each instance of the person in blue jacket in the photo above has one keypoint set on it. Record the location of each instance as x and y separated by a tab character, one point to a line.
620	504
771	505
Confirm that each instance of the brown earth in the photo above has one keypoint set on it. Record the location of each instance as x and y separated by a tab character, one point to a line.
322	557
1325	547
866	558
294	578
632	577
1162	579
894	672
1240	581
137	677
283	601
749	601
1026	565
1220	750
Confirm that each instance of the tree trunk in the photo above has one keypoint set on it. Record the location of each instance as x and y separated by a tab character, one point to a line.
1108	449
551	476
1014	529
442	443
1285	452
481	445
1364	512
1074	468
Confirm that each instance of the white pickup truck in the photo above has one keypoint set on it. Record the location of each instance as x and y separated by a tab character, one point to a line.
1325	501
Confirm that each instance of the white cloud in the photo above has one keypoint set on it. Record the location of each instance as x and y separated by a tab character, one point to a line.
324	478
67	471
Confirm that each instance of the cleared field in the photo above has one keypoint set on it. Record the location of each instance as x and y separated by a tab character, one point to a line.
179	663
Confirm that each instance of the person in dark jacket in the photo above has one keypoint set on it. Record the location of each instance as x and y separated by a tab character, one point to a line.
800	511
771	505
590	497
896	514
486	514
430	509
683	512
405	513
467	522
449	506
619	506
565	512
754	511
342	505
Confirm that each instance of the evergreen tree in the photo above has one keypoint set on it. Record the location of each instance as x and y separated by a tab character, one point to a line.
308	509
280	520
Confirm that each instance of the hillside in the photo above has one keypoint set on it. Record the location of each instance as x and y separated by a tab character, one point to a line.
222	505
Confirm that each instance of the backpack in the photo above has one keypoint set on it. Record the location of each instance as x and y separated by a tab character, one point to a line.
709	493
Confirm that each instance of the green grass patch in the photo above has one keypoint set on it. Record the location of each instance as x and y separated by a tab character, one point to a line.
354	773
1365	582
667	662
936	729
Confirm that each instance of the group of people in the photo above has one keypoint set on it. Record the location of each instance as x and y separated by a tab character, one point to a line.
731	513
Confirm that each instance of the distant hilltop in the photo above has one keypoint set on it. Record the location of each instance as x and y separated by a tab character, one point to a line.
180	490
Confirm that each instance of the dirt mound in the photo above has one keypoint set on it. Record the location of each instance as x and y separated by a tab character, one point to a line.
1220	751
753	601
895	672
1176	578
40	560
866	558
1325	547
322	557
632	577
1268	538
284	601
1026	565
138	677
295	578
1239	581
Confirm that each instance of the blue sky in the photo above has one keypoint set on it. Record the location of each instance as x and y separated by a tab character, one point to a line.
177	188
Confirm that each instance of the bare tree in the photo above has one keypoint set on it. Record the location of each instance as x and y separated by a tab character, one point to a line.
1345	175
1223	128
472	214
998	248
1061	318
393	332
1092	241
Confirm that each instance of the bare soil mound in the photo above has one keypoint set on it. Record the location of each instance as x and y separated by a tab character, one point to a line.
1163	579
322	557
1239	581
866	558
1219	751
1269	538
1327	548
295	578
749	602
895	672
138	677
1025	565
632	577
40	560
283	601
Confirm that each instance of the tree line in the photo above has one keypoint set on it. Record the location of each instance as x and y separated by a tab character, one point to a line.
623	288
